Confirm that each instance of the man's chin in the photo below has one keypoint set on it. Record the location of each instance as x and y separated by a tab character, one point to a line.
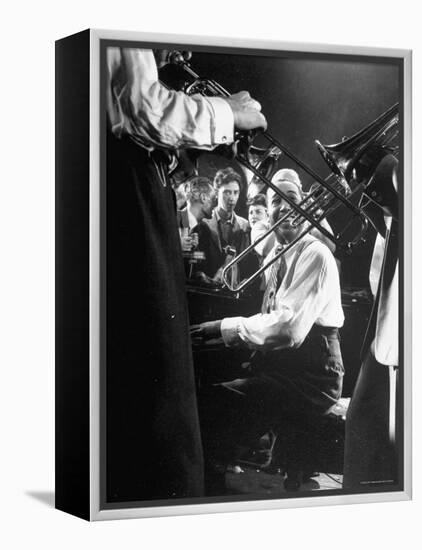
286	234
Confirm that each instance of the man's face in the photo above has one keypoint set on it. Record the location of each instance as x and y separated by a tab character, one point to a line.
228	195
257	213
278	208
208	203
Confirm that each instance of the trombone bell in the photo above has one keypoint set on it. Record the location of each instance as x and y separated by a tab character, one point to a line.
359	154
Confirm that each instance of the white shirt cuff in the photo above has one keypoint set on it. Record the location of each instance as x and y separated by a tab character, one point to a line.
224	120
230	331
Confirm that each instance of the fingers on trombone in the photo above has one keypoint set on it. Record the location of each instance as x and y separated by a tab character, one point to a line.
243	95
248	101
262	121
253	104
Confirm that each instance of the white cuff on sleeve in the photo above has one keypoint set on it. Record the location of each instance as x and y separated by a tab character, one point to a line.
230	331
224	120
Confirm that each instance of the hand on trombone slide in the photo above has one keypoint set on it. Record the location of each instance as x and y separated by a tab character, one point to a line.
246	111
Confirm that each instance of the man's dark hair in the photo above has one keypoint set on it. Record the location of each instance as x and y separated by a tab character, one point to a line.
197	185
258	200
227	175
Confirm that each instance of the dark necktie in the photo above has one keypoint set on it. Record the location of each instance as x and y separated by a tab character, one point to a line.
277	272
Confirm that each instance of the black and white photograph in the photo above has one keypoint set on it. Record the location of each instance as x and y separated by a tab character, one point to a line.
251	302
210	275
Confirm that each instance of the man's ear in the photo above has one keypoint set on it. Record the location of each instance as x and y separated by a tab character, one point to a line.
203	197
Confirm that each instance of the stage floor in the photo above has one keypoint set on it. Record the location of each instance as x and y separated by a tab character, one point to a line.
254	481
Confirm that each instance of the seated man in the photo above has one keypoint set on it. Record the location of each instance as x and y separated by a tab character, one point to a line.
288	181
296	370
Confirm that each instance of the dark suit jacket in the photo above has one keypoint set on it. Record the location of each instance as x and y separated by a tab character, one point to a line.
210	243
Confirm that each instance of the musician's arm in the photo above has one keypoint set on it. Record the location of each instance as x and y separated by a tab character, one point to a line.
153	115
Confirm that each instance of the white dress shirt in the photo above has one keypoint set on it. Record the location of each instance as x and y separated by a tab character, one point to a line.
385	346
141	107
192	221
309	294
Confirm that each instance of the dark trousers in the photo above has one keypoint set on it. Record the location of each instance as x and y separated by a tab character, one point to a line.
370	454
153	445
288	390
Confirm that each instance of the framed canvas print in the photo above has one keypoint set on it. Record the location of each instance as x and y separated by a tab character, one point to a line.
233	274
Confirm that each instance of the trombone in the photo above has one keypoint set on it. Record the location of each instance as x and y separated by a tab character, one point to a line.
313	202
353	159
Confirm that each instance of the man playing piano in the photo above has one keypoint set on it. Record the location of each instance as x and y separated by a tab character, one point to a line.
296	369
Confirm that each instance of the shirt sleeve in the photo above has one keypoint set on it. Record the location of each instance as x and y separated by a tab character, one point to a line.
154	116
297	308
